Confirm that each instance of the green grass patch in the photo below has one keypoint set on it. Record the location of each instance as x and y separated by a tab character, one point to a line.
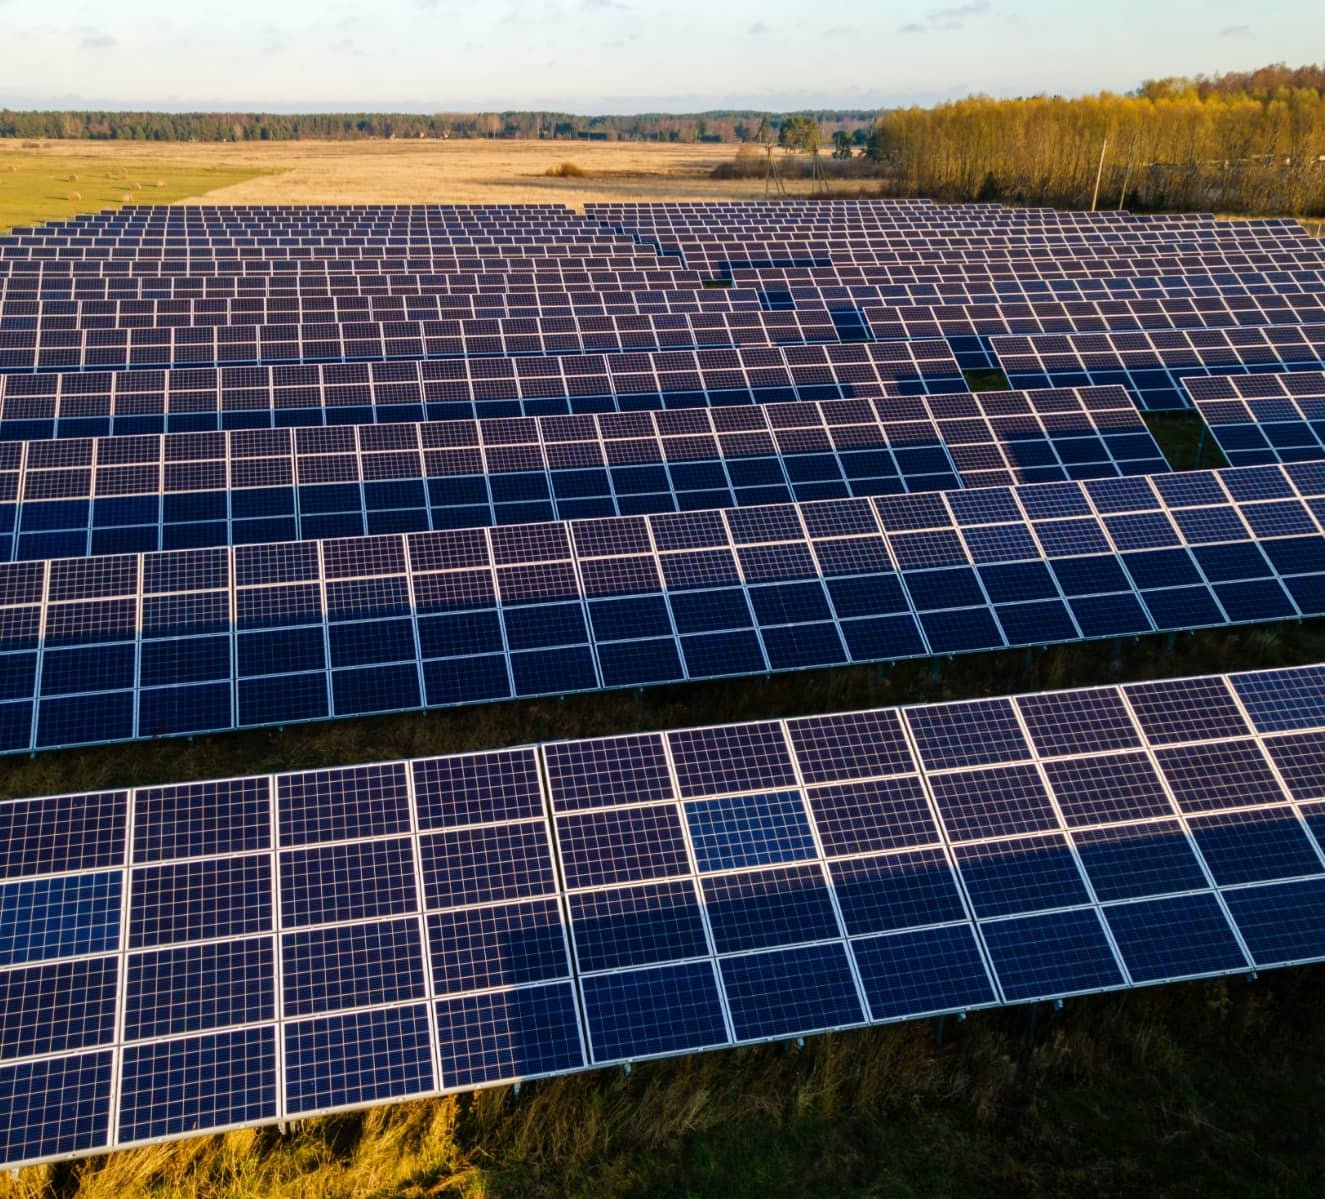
987	380
1185	440
37	187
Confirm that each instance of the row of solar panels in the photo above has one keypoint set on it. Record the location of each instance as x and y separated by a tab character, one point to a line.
515	267
531	289
1012	315
1156	367
980	339
190	958
211	345
377	259
852	245
867	232
71	497
92	404
114	312
264	289
117	648
851	273
523	276
1264	418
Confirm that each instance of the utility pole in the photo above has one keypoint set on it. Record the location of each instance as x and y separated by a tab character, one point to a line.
1099	174
1127	175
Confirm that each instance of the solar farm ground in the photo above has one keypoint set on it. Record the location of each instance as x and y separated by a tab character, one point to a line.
396	172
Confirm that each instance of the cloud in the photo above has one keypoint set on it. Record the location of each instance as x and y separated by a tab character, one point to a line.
841	31
758	29
948	19
599	5
95	40
1235	31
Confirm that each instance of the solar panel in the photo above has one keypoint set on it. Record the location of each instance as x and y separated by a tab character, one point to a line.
401	930
1153	366
109	495
90	404
119	647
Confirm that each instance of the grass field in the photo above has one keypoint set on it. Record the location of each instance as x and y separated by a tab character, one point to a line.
460	172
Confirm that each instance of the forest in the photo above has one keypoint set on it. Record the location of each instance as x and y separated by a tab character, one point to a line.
1174	145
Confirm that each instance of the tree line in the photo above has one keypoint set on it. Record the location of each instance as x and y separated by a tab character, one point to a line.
251	127
1177	144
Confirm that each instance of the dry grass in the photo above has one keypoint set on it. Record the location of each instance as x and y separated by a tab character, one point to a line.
459	172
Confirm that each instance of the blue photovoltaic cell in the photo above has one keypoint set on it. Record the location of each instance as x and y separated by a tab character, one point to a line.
738	758
66	833
749	830
1281	922
852	746
59	917
58	1007
1280	700
1103	790
160	1095
1255	846
201	819
1300	759
641	1013
476	948
894	891
477	788
971	734
358	965
1050	955
347	882
1184	936
55	1106
595	773
1228	774
1032	874
879	814
192	988
922	972
621	845
361	1057
342	805
637	926
763	909
483	865
1134	860
198	900
993	803
790	991
1078	722
1187	710
508	1035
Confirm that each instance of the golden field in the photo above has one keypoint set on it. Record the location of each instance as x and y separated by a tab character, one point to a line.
40	183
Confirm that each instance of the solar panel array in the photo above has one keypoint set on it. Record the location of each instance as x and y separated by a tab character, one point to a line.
97	403
1264	418
266	465
113	495
182	959
122	647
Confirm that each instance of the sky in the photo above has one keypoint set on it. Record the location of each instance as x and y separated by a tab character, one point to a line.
620	56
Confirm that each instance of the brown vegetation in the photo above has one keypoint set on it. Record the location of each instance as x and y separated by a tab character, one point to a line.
1181	150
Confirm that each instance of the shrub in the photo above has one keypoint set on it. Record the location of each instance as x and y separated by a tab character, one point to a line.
567	170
